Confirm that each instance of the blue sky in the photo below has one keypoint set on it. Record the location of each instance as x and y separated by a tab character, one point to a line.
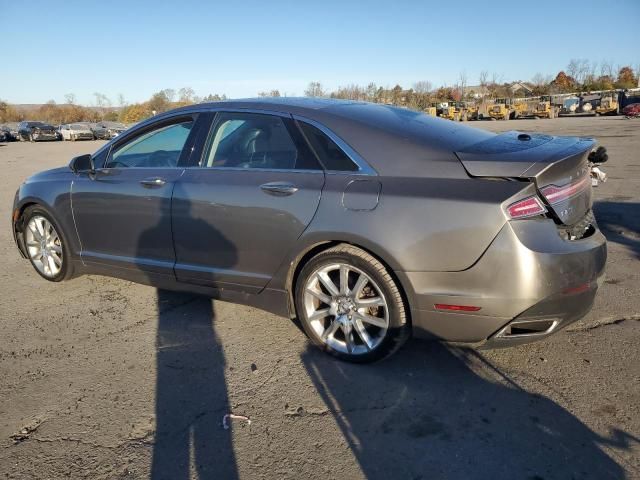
243	47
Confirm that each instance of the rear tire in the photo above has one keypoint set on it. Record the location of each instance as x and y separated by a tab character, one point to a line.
361	320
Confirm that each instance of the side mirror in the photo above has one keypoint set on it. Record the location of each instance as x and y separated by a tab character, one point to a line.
82	163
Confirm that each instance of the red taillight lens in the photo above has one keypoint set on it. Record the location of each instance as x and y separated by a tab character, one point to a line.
555	194
526	208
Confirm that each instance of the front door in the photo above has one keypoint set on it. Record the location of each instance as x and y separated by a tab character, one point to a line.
123	210
239	211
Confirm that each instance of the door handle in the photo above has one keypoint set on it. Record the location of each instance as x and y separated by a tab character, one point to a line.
152	182
279	189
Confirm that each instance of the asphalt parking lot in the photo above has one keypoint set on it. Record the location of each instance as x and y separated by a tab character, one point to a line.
102	378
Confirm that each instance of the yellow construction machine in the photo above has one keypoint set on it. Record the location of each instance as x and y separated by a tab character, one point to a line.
502	109
608	103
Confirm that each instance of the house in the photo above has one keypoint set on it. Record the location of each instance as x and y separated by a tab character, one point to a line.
476	91
520	89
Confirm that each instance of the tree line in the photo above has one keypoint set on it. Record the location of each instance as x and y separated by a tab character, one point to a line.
104	109
580	75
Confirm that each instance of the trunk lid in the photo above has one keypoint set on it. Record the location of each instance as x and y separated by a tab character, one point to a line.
558	165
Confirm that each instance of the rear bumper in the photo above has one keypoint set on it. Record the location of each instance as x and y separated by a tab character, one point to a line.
528	279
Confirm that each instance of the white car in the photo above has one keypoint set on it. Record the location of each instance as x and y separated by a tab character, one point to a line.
76	131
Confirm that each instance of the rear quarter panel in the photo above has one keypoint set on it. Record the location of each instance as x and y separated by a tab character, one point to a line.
419	224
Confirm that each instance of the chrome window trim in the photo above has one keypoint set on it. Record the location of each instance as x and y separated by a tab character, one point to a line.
363	167
248	169
220	109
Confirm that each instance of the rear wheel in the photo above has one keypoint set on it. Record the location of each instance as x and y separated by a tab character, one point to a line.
45	245
350	306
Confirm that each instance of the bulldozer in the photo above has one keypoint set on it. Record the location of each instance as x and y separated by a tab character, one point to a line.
538	107
431	110
502	109
455	111
608	103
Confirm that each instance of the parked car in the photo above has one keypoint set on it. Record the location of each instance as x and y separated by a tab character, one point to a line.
13	129
632	110
100	132
114	128
366	222
36	131
5	134
76	131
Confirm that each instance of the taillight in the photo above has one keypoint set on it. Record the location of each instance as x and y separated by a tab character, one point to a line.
528	207
555	194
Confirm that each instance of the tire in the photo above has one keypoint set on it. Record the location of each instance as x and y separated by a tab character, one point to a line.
64	270
329	328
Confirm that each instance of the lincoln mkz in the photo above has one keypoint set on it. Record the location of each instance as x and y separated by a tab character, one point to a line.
368	223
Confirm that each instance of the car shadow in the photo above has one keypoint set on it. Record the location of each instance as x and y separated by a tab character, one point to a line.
436	411
619	222
191	392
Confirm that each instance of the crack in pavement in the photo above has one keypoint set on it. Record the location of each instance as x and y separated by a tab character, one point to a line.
604	322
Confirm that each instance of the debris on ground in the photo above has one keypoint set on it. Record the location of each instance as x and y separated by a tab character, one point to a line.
233	416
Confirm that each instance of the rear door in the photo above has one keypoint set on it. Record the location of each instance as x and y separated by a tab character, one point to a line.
239	210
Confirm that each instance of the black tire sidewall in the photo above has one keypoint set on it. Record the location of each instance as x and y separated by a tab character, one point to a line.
398	323
65	271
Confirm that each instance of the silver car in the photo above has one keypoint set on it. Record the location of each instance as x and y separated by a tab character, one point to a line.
76	131
366	222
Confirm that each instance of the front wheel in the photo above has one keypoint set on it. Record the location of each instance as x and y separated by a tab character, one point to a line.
45	245
350	306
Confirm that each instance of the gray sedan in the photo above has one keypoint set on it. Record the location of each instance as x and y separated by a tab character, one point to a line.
368	223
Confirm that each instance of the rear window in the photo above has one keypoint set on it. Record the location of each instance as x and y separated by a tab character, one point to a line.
330	154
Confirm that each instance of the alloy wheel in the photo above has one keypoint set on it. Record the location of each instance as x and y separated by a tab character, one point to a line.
44	246
346	308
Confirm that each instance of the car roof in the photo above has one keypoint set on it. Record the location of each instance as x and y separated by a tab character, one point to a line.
381	134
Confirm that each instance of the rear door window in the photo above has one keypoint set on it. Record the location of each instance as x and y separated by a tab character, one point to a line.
257	141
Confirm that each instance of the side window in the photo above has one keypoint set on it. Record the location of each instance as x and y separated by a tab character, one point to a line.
252	140
330	154
157	148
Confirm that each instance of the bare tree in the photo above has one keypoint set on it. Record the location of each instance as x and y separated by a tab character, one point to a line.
102	102
371	92
121	101
422	86
185	94
271	93
462	83
170	93
314	89
573	68
70	98
606	69
483	78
